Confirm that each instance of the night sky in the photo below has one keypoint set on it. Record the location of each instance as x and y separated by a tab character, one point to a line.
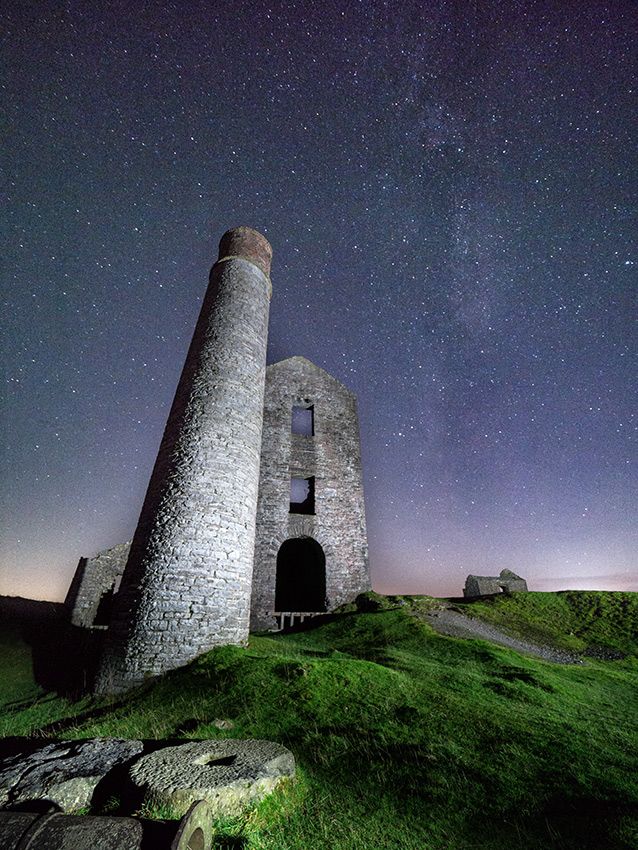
449	189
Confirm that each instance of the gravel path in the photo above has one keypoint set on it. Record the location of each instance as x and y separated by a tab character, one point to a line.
446	621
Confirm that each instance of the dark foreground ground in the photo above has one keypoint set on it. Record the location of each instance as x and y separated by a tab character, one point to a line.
406	739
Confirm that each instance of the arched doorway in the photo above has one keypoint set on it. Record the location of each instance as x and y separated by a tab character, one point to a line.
301	576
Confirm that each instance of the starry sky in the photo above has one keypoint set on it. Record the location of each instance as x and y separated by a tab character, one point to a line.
449	189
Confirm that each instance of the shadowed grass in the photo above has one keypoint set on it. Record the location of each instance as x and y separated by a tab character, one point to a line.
17	686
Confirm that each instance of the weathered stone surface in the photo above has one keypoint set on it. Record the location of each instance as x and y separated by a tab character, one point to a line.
21	830
88	602
195	539
485	585
65	832
248	243
332	456
13	826
66	773
228	774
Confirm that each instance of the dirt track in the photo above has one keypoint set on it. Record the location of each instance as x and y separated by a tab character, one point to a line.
448	621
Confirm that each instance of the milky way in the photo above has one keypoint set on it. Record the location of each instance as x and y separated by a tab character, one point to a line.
449	190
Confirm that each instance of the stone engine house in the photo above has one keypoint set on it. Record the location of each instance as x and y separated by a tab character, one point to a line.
254	515
310	508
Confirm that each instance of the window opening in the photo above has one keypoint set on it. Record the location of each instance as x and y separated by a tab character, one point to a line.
104	608
302	495
303	420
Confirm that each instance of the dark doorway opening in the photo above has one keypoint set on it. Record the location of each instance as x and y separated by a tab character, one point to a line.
104	608
301	576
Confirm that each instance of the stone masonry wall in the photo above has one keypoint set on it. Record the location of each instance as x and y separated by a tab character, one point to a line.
333	456
94	580
187	584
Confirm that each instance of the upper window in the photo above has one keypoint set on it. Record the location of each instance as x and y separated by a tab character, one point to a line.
303	420
302	495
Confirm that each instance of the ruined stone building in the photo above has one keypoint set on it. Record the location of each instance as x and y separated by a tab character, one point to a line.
254	513
96	581
505	582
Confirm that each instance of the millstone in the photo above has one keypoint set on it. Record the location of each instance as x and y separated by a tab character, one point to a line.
229	774
66	773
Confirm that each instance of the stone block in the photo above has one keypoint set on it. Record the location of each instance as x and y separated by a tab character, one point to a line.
66	773
230	775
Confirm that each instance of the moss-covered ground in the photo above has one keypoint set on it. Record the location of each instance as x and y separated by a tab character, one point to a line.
405	739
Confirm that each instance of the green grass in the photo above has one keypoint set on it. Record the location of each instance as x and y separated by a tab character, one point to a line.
575	620
17	686
405	739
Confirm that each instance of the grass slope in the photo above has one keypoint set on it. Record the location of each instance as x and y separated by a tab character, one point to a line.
581	620
405	738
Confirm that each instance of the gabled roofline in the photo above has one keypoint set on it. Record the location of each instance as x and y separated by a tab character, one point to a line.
299	359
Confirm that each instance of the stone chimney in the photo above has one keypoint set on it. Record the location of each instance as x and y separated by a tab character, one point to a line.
187	584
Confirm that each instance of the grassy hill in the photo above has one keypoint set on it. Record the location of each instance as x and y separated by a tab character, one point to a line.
405	739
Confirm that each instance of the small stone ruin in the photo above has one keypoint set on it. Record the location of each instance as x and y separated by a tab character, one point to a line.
505	582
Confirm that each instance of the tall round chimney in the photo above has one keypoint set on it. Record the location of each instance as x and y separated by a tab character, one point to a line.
187	584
